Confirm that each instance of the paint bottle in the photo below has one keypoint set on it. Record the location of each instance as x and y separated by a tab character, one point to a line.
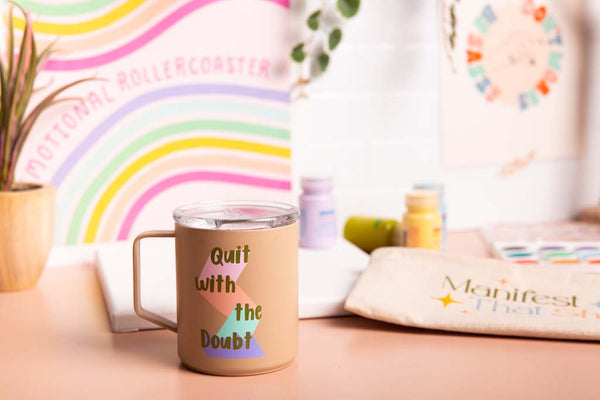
439	188
422	223
369	233
318	227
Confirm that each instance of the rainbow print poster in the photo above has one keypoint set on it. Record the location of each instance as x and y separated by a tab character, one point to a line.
191	104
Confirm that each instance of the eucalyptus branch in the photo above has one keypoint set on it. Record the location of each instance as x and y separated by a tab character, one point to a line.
449	24
327	38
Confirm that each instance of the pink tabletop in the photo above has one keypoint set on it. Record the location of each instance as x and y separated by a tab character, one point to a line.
55	343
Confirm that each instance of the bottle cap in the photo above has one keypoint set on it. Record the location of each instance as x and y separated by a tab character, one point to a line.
435	186
316	184
422	198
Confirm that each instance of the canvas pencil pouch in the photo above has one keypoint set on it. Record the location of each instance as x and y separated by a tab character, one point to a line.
435	290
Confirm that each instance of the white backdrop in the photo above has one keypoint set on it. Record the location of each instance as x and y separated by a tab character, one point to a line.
373	123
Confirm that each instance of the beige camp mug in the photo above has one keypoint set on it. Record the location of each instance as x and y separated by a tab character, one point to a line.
237	286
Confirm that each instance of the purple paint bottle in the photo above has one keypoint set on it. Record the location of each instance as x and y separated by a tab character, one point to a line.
318	227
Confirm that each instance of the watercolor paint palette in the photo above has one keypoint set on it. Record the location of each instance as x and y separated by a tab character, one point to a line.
570	231
583	256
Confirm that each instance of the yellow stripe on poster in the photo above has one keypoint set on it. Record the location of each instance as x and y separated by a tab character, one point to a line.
118	183
82	27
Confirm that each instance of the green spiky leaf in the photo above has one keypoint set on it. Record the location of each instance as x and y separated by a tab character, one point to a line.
335	37
18	72
323	61
348	8
44	56
11	42
313	20
298	53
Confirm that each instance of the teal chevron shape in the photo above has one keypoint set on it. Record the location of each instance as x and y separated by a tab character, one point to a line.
240	327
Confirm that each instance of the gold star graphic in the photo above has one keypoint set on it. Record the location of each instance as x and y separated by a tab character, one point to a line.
446	300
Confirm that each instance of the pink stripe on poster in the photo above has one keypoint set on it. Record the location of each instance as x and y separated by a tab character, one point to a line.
194	176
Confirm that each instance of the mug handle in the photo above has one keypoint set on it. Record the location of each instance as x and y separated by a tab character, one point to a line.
137	296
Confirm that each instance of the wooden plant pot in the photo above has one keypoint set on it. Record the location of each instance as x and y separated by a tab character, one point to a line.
591	214
26	230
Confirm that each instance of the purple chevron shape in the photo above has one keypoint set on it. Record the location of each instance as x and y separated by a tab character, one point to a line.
253	352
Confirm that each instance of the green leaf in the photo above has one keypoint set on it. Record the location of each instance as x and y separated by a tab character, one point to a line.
45	55
298	53
323	61
24	60
16	91
335	37
17	77
3	98
313	20
348	8
3	136
10	53
28	123
29	73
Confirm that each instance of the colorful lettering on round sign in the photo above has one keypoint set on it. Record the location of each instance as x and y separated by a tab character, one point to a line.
514	53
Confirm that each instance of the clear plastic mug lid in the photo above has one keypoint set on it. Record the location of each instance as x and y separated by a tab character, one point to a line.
236	215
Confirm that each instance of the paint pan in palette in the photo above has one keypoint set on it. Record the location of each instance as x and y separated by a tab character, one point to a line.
583	256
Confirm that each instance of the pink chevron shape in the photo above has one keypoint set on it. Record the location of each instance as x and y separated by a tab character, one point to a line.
225	303
232	269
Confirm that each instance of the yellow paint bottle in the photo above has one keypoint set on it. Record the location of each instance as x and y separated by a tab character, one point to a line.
422	223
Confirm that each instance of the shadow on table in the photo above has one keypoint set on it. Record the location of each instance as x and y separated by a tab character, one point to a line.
158	346
370	325
354	322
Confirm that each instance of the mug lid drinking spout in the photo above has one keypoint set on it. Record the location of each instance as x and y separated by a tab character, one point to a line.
236	215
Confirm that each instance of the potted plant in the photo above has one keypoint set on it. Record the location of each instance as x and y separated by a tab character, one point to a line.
26	209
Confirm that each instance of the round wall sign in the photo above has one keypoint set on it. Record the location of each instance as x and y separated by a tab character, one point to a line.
514	53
